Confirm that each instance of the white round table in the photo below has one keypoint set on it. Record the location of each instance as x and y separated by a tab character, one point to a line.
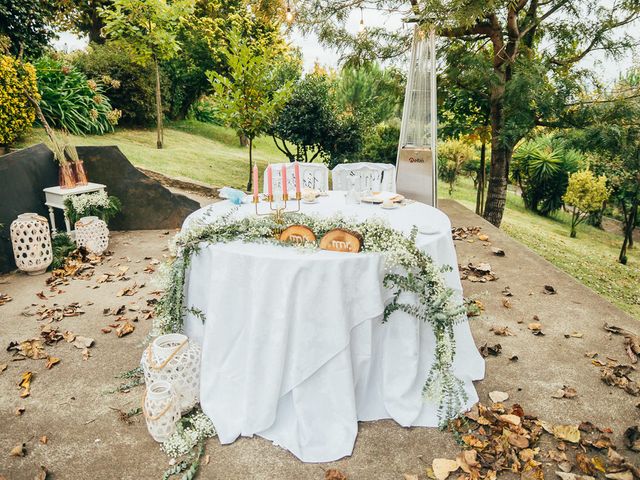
293	346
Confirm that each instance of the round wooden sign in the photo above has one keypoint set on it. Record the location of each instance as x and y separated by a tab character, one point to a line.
297	234
340	240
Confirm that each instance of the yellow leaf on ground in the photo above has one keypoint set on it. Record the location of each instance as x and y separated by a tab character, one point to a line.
125	329
18	450
442	467
570	433
25	382
51	361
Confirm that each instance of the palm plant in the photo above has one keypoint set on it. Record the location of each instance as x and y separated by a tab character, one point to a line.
541	168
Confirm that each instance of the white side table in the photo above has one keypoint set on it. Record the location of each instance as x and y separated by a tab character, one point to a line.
55	197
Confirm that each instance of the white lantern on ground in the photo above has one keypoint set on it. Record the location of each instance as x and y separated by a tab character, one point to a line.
92	234
31	243
161	410
174	359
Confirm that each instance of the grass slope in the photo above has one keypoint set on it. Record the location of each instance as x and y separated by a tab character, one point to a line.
207	153
591	258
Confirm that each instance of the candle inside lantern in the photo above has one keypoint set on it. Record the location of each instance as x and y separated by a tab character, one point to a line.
255	183
269	183
296	172
284	182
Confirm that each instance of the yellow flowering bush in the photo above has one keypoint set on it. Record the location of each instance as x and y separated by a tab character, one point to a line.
17	81
585	193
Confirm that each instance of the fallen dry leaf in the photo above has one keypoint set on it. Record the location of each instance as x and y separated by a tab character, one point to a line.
51	361
82	342
570	433
506	303
498	252
19	450
498	397
442	467
19	411
502	331
584	464
3	367
477	273
410	476
86	354
512	419
565	392
549	290
573	476
25	383
125	329
44	439
626	475
42	474
632	438
494	350
461	233
4	298
334	474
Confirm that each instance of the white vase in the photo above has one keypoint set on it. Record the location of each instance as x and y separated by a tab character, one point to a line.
174	359
31	243
92	234
161	410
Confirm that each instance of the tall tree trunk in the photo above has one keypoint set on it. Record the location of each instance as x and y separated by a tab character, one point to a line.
160	136
628	230
500	157
632	225
244	142
250	164
481	180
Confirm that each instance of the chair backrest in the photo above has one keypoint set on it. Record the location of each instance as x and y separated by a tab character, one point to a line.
314	176
364	176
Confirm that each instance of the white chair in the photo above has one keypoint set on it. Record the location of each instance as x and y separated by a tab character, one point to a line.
314	176
364	176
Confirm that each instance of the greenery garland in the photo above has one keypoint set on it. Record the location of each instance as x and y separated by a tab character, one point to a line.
409	270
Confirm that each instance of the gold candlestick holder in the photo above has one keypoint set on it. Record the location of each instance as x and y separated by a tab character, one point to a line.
279	208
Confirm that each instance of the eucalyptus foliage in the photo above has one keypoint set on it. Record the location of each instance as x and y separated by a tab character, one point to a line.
410	273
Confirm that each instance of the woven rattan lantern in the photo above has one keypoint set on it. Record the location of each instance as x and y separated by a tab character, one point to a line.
417	158
31	243
173	358
161	410
92	234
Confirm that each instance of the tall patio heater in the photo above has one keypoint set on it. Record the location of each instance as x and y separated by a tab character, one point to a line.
417	157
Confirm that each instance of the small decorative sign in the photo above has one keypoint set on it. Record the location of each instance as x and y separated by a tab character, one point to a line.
340	240
297	234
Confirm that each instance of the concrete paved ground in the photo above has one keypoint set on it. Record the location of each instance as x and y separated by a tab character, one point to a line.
86	438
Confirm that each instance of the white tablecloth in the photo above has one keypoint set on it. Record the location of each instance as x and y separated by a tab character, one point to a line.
293	347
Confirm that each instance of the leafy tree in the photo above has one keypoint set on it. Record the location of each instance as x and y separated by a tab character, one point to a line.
381	145
463	108
248	97
148	29
373	93
27	24
528	82
541	167
585	193
113	64
452	156
612	133
203	36
315	124
83	16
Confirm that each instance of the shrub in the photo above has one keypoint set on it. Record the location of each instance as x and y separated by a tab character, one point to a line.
585	193
381	144
72	102
17	81
205	110
541	167
135	96
452	157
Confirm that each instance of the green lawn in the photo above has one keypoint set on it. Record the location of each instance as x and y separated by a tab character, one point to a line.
207	153
591	257
212	154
